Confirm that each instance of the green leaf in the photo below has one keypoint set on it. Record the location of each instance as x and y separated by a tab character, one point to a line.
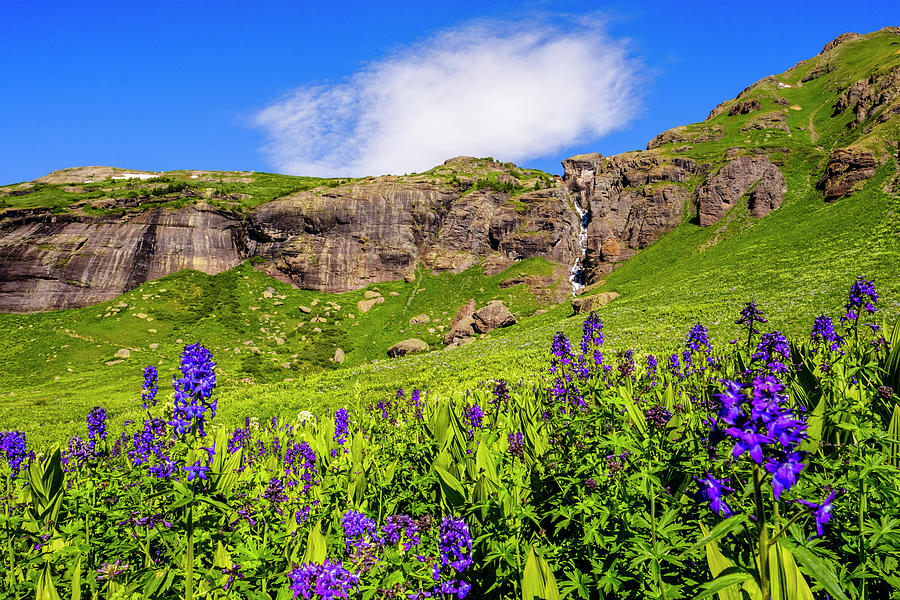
538	580
727	578
454	494
76	581
786	581
316	549
717	533
45	589
894	432
820	572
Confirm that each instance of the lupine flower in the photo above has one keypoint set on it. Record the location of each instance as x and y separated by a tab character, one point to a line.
675	366
397	525
12	444
772	350
657	416
109	571
359	530
301	456
750	315
326	581
238	439
196	471
698	340
784	472
862	297
626	363
151	377
193	390
652	367
516	445
501	392
822	512
234	571
455	544
341	421
592	333
561	351
96	420
823	332
713	490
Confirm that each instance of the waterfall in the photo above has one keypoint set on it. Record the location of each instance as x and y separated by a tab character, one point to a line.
576	274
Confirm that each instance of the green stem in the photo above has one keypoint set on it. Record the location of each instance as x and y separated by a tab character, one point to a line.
862	538
189	564
763	535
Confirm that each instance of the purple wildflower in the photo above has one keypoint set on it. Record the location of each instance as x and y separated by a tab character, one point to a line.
713	490
328	580
151	377
822	512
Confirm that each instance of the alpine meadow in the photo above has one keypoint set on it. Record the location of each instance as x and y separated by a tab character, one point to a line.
671	373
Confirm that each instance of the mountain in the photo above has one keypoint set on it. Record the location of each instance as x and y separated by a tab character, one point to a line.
80	236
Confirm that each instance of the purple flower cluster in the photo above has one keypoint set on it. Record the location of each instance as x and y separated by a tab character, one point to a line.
300	460
415	400
150	441
652	370
862	297
750	316
359	531
78	452
196	470
193	390
592	333
239	439
516	445
474	417
96	420
12	444
657	416
326	581
274	492
500	392
821	512
823	333
762	424
397	526
341	422
773	350
455	544
151	376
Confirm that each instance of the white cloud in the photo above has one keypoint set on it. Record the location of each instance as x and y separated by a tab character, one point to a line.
513	92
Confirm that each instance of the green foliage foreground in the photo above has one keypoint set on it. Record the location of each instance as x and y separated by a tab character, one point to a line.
764	469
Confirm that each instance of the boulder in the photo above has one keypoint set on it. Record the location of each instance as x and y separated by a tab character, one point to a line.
492	316
304	309
420	319
848	169
755	174
371	294
407	347
461	326
366	305
585	304
123	353
338	355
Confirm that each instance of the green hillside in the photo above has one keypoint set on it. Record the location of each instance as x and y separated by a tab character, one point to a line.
796	263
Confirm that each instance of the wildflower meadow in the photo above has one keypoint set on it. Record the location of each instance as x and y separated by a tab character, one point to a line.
764	468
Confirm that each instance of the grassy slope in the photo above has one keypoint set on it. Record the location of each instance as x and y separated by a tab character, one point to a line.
796	263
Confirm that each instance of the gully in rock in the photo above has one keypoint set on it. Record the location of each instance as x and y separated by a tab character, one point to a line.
576	273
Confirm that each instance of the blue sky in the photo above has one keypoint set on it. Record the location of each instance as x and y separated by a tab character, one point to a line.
368	87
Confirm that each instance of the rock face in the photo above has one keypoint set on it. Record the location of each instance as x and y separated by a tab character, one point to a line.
50	262
407	347
356	235
757	175
633	199
847	170
492	316
585	304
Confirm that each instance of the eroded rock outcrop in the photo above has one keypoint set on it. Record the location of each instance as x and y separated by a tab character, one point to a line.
753	174
847	170
877	95
633	199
